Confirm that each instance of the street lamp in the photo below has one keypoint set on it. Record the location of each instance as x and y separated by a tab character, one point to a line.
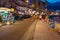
27	1
33	5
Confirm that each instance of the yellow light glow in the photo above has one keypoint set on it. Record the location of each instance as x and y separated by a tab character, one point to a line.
32	5
12	9
27	1
0	24
6	9
8	23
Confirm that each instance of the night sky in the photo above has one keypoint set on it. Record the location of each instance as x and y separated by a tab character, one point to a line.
51	1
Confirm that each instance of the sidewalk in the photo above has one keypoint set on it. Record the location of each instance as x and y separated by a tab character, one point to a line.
57	26
43	33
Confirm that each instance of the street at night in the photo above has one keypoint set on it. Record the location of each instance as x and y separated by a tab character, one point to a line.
28	30
29	20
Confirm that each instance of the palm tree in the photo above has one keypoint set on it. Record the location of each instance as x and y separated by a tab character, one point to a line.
33	1
33	4
39	4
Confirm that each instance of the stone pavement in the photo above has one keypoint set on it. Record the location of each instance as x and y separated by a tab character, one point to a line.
42	32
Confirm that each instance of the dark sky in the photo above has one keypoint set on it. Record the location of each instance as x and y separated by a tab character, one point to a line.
51	1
